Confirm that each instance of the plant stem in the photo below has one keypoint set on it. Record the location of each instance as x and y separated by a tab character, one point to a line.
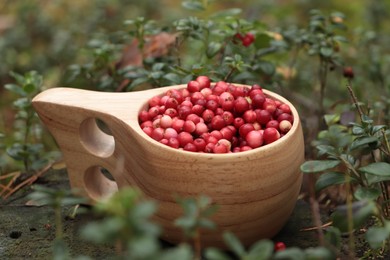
323	72
58	221
354	100
315	211
197	245
350	218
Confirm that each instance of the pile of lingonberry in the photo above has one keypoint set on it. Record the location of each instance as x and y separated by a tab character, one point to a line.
215	118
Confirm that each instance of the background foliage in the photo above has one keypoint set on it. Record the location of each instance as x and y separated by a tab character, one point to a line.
308	51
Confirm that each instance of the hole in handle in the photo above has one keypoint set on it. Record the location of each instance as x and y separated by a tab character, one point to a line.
99	183
96	137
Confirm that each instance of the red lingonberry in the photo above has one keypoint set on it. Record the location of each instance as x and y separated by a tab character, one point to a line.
170	133
217	122
263	116
348	72
154	101
193	86
184	138
270	135
226	133
248	39
249	116
272	123
254	138
207	115
189	126
200	144
201	128
165	121
173	142
245	129
279	246
238	122
184	111
143	116
228	117
153	112
148	130
285	116
241	105
171	112
177	124
158	133
204	82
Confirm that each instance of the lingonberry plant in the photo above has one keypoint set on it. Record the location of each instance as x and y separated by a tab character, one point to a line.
356	155
224	47
215	118
27	146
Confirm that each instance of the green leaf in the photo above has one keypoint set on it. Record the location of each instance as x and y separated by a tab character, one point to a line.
326	51
359	142
361	210
137	82
212	49
367	193
216	254
331	119
367	120
182	252
379	168
234	244
15	89
173	78
376	236
29	88
326	149
262	40
266	67
319	253
291	253
318	165
377	128
333	236
227	13
328	179
193	6
261	250
358	130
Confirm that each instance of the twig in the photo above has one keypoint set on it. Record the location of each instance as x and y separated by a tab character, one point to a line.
14	175
29	180
317	227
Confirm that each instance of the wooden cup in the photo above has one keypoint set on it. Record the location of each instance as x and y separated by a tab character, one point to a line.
256	190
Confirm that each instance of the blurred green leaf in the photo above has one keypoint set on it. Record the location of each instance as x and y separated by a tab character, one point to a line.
362	141
261	250
381	169
318	165
291	253
330	178
322	253
216	254
376	236
361	210
367	193
212	49
234	244
333	236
